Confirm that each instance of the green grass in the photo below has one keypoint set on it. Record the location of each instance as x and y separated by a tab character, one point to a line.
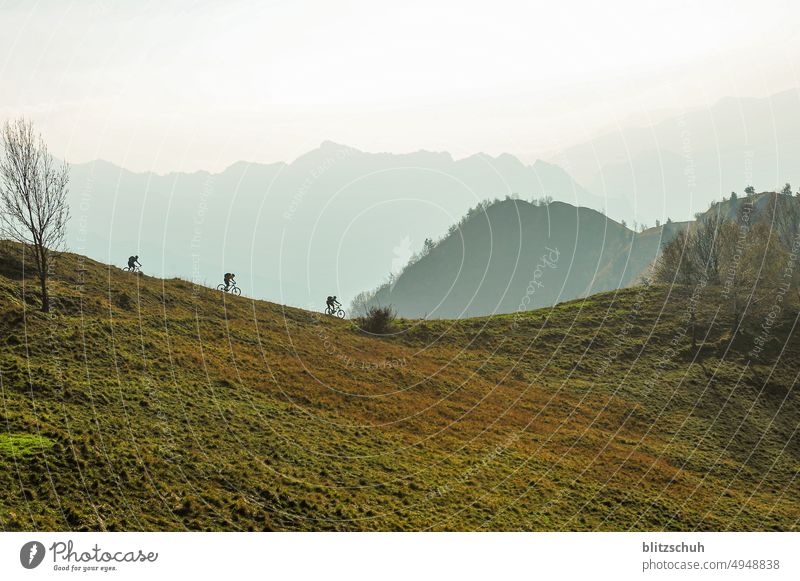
178	408
22	445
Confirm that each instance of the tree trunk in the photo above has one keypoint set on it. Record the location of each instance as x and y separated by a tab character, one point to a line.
45	296
42	265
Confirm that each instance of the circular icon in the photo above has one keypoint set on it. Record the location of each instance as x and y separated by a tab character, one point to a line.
31	554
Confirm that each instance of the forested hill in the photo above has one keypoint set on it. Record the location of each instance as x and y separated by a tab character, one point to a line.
514	255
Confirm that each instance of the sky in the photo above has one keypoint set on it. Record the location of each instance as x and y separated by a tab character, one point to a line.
181	86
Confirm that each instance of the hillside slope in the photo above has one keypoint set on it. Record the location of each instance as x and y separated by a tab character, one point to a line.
148	404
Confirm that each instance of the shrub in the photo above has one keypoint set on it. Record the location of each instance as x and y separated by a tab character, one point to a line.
377	320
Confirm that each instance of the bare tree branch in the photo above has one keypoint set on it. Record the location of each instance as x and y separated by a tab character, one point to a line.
33	196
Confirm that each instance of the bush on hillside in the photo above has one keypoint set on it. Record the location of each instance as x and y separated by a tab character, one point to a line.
377	320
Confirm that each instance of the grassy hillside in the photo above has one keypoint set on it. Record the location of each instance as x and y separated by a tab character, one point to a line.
152	404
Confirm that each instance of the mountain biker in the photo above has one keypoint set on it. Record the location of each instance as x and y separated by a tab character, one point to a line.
133	262
229	280
332	303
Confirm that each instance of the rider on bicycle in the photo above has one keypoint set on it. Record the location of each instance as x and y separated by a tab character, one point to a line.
332	303
229	280
133	262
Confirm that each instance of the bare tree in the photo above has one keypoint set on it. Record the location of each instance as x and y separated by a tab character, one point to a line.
705	245
33	195
784	215
676	264
734	241
753	261
360	304
750	260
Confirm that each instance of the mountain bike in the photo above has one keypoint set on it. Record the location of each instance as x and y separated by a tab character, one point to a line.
335	311
233	289
132	269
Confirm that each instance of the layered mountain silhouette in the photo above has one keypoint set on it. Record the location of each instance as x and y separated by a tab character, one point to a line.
327	223
513	255
338	220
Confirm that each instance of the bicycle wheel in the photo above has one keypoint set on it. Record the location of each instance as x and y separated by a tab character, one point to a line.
340	314
236	290
328	311
221	287
126	269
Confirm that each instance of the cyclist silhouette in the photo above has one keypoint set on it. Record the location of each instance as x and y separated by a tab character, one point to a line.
133	262
333	307
229	279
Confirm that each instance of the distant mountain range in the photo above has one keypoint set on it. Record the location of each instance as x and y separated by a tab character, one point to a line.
334	221
338	220
676	167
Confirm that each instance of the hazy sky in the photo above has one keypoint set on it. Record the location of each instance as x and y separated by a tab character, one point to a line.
187	85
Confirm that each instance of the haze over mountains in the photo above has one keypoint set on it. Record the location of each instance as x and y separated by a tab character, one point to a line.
676	167
338	220
334	221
